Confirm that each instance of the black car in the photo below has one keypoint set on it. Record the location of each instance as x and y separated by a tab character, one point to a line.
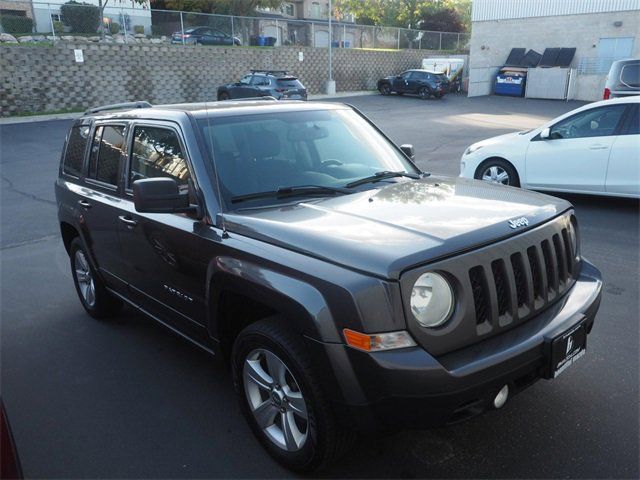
347	289
420	82
264	83
204	36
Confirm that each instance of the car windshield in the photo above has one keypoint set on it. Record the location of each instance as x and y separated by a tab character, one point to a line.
323	148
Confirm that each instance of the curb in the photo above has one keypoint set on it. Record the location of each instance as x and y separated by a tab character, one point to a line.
71	116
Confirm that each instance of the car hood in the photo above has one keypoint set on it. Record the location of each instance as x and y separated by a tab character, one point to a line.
392	228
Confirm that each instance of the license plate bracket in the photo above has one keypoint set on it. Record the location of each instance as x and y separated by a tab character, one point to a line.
564	349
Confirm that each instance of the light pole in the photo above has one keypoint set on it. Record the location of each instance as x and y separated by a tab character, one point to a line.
331	85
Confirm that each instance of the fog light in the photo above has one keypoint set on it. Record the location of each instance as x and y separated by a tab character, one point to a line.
501	397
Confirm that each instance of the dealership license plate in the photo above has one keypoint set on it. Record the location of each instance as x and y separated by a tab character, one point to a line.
567	348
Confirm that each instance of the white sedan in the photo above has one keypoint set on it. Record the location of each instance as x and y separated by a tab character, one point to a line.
594	149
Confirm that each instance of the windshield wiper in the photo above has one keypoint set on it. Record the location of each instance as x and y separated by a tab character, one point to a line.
376	177
292	191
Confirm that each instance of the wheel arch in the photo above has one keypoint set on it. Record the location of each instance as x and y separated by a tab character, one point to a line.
239	294
68	232
488	160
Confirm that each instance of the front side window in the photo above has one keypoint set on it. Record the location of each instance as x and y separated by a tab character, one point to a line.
106	151
157	153
76	146
598	122
327	148
246	80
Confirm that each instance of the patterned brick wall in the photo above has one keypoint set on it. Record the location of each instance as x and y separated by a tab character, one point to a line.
47	78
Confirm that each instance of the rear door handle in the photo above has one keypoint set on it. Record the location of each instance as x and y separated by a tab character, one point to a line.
598	146
84	204
128	221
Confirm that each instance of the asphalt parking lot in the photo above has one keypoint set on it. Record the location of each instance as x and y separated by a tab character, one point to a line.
127	399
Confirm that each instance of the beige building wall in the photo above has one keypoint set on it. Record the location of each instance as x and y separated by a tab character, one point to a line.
491	42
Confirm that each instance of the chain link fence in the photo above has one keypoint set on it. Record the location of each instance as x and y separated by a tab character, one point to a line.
27	21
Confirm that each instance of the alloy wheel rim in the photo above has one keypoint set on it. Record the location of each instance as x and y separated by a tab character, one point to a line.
85	280
424	93
496	174
275	400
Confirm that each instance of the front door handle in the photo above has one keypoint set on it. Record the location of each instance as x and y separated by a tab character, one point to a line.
598	146
128	221
84	204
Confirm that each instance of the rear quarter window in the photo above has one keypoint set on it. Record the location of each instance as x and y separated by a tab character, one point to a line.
630	75
288	83
74	153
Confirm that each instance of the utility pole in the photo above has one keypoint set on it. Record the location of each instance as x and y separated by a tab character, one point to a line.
331	85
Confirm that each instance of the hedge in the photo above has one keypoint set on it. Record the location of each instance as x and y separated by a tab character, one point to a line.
16	24
81	17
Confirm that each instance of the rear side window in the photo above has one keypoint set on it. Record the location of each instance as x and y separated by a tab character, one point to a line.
288	83
76	146
157	153
630	75
633	121
106	150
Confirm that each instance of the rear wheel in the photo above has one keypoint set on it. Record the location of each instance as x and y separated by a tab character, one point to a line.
385	89
95	298
424	93
282	400
497	170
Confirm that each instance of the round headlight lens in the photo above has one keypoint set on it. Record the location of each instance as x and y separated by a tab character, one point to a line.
431	300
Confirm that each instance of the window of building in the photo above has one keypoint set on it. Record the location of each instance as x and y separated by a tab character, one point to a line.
288	9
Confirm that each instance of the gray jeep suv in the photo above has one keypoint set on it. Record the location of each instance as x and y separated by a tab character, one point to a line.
348	290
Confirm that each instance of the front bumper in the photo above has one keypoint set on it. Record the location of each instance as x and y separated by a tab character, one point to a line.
410	388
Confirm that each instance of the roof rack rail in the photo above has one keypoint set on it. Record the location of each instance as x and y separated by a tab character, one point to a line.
250	99
119	106
270	72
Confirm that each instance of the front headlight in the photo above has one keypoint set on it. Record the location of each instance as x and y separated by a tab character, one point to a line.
431	300
473	148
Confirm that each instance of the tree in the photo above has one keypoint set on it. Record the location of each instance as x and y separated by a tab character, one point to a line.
441	19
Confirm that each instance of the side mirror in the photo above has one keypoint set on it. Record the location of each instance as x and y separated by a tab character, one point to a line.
160	195
545	134
407	149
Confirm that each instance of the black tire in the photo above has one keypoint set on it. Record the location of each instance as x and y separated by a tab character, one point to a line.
384	89
101	304
499	164
325	439
223	96
424	93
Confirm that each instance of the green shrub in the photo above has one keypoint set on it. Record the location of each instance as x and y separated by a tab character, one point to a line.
58	27
81	17
114	27
138	29
16	24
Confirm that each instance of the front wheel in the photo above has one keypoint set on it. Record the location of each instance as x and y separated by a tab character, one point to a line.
498	171
223	96
424	93
282	399
95	298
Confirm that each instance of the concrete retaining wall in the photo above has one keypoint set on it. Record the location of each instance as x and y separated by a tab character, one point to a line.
47	78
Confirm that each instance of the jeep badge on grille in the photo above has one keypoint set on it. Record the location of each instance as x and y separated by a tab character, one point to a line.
519	222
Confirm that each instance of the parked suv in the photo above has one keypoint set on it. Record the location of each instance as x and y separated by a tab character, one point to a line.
264	83
423	83
623	79
347	289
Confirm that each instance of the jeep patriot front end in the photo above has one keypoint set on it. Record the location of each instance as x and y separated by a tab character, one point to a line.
347	289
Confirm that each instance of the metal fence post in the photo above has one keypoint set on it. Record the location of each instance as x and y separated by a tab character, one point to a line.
373	37
344	36
440	46
182	28
53	30
232	32
420	42
313	34
398	39
124	25
458	43
277	34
